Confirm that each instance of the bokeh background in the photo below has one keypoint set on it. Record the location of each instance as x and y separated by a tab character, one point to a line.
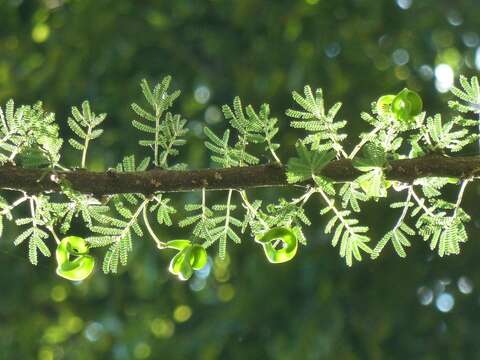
63	52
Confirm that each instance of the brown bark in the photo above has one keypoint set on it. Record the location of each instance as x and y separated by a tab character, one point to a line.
148	182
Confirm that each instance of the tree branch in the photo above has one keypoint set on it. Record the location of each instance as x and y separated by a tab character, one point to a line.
148	182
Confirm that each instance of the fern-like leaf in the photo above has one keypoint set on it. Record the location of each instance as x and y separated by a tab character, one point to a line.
324	131
165	134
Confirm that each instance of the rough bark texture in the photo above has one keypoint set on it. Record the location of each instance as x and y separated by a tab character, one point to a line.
148	182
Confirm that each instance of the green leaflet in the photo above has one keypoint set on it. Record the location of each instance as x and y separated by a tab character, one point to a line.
307	164
351	195
39	217
164	210
214	224
321	126
83	124
445	233
117	231
373	183
164	129
469	94
452	135
373	157
253	127
30	135
226	155
347	232
398	238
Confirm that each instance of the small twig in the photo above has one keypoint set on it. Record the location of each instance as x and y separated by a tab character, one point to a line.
421	203
460	196
337	213
304	198
365	139
55	236
14	204
250	207
160	244
133	219
405	209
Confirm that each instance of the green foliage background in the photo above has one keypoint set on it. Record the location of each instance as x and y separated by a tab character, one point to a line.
63	52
